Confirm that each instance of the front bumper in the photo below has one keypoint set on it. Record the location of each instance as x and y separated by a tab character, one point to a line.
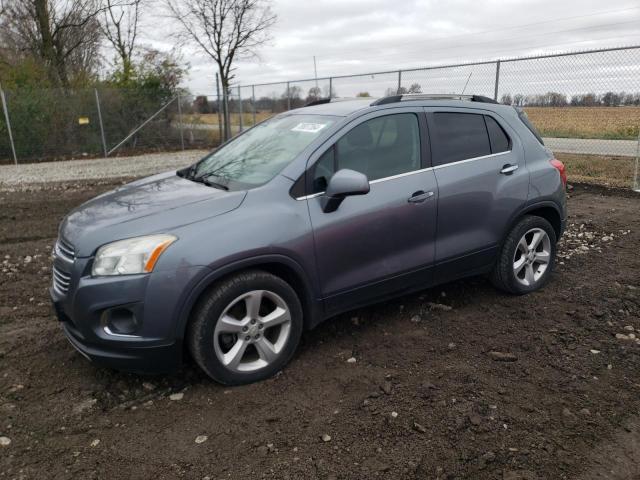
156	300
158	359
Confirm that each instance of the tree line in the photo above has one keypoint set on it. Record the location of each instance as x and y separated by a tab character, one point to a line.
555	99
296	97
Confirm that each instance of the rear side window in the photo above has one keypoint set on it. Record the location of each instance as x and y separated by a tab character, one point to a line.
529	125
499	139
458	136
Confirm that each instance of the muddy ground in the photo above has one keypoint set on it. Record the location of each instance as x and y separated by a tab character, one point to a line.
424	399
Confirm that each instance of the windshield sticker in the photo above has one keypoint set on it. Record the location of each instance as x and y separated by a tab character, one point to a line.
309	127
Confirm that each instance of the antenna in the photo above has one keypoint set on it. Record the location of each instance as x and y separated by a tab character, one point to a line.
465	85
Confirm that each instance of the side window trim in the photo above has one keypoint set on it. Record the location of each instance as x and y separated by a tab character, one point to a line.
393	177
425	147
467	160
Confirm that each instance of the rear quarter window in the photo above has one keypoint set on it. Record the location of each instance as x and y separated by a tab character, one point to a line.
523	117
458	136
500	141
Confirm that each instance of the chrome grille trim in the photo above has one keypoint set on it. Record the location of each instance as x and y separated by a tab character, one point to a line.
61	280
65	250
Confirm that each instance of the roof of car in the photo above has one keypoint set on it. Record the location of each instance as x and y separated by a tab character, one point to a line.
341	107
346	106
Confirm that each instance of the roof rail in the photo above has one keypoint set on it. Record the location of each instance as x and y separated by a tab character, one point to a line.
322	101
431	96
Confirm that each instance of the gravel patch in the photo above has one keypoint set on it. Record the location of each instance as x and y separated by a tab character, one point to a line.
12	176
542	406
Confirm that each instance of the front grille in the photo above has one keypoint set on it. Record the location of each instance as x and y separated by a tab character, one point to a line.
61	280
65	250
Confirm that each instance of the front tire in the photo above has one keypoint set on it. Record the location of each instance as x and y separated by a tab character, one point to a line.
527	257
245	328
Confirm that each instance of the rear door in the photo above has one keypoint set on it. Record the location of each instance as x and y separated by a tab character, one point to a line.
381	242
482	180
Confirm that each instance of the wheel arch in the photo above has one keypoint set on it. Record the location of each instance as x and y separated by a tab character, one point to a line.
547	210
279	265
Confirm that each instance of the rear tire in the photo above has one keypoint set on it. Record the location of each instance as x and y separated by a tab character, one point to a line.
245	328
527	257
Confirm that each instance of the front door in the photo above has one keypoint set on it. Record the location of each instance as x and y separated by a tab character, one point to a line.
381	242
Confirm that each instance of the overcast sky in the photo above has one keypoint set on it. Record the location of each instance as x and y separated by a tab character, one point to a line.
359	36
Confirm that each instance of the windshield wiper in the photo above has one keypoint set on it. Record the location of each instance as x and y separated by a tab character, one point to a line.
205	179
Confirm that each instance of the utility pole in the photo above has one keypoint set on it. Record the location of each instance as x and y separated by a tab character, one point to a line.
315	70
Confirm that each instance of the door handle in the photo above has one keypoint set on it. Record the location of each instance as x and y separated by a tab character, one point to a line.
419	196
508	169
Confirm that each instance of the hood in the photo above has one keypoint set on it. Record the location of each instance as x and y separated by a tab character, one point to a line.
151	205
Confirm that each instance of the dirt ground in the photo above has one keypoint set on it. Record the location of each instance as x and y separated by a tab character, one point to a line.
425	398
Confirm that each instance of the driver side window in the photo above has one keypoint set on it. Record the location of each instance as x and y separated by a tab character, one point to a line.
379	148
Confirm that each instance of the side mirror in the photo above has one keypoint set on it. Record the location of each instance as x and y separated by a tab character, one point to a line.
343	183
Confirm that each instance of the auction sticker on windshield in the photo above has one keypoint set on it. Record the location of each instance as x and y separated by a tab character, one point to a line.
309	127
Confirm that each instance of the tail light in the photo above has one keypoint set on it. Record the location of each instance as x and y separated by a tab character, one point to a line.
561	169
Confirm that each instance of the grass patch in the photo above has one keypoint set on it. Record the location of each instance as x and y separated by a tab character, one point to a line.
598	169
610	123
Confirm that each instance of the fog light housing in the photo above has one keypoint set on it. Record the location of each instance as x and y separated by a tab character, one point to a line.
120	321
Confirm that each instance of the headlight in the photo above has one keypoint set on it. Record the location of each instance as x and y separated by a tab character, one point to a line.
134	255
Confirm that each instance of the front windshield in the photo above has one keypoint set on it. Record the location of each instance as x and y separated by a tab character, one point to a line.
259	154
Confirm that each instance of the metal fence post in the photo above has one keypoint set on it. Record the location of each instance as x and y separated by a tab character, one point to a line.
495	90
399	81
288	97
219	109
6	117
253	102
227	117
636	185
330	87
180	120
104	140
240	107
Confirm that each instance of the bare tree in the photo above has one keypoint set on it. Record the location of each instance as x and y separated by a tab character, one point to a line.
314	94
415	88
120	27
225	30
63	34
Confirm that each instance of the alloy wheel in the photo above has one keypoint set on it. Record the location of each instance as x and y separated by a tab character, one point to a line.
252	331
532	256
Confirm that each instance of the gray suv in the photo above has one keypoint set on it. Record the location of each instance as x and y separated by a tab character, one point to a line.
311	213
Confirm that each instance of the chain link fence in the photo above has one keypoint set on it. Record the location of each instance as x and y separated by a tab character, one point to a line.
46	125
585	104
